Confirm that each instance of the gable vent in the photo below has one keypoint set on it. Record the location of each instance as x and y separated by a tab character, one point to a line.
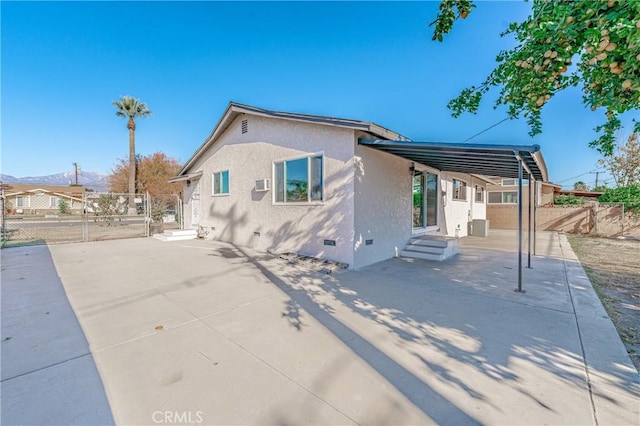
245	126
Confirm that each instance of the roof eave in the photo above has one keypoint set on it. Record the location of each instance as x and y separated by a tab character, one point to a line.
184	177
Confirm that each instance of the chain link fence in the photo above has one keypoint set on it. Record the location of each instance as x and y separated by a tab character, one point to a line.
98	216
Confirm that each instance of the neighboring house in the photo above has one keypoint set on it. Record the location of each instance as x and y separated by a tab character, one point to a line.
285	182
502	197
584	195
505	191
34	199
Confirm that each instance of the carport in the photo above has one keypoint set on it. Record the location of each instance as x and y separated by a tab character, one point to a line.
509	161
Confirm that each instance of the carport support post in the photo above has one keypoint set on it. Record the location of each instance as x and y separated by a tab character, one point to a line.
535	214
530	194
4	227
519	289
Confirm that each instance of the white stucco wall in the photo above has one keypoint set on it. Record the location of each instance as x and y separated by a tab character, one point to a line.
457	212
187	190
478	209
249	157
383	205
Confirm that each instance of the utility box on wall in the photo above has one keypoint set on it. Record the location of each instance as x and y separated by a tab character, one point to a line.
479	228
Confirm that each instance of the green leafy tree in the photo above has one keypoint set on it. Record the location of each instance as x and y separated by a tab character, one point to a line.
129	107
568	200
629	195
601	38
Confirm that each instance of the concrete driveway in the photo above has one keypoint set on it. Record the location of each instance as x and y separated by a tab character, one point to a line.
202	332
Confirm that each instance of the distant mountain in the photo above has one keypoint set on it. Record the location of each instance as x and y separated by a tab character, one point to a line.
93	180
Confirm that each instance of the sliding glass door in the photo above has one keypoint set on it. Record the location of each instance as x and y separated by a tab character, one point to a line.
425	199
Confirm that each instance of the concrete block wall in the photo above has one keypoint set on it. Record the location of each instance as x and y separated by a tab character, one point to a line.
606	220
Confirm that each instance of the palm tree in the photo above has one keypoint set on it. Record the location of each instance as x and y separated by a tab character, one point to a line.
130	107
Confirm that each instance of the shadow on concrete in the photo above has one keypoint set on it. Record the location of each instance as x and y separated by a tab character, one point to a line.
48	372
423	396
434	306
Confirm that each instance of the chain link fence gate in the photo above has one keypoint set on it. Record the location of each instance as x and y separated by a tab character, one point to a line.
97	216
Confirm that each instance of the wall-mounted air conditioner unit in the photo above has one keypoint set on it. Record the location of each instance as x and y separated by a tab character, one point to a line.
263	185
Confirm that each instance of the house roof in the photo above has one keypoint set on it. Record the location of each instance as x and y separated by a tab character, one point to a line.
578	193
17	188
235	109
482	159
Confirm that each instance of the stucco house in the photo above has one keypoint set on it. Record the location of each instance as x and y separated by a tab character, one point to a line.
34	199
505	191
502	199
286	182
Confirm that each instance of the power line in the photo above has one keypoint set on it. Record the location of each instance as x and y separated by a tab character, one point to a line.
585	173
485	130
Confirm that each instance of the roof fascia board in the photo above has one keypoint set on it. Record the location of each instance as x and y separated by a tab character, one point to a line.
464	146
68	196
186	177
539	160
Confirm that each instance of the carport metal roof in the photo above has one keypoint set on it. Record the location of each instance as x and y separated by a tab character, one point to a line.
482	159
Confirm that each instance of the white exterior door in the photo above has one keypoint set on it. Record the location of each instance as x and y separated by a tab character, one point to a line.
195	206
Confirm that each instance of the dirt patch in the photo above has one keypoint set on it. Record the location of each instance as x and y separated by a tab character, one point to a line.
613	266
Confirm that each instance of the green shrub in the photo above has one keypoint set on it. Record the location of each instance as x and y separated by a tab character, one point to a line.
629	195
63	207
568	200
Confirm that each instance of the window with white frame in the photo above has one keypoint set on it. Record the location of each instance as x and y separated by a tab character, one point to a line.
480	194
54	202
220	183
459	190
505	197
23	201
299	180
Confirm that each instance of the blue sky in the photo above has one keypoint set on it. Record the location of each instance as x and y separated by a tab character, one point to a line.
63	64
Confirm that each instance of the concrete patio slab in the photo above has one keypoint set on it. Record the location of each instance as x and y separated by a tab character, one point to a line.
190	369
68	393
48	373
218	334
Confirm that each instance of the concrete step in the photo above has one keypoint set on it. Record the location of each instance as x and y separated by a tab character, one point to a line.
421	255
433	240
177	235
425	249
181	232
431	247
